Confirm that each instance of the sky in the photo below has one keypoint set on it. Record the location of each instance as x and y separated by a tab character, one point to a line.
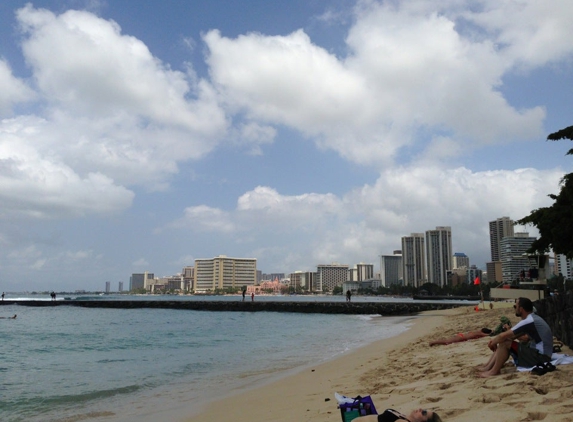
141	135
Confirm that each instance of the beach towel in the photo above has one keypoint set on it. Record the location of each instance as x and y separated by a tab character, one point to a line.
556	359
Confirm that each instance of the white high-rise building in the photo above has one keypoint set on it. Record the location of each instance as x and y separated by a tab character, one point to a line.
439	254
330	276
391	269
413	260
513	255
222	272
563	266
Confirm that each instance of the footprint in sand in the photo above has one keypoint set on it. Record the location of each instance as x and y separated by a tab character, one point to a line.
535	416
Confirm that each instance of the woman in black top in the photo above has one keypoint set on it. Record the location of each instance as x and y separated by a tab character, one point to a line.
391	415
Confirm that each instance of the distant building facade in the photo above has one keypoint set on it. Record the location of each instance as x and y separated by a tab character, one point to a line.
513	254
413	260
330	276
498	229
563	266
223	272
391	269
140	281
361	272
460	260
494	272
439	254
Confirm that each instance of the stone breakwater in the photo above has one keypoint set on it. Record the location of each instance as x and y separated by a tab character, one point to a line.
363	308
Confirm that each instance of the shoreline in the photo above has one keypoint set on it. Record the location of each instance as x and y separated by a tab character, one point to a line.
404	373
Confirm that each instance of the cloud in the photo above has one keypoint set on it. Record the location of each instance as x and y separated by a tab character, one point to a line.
412	68
106	115
37	186
369	221
13	90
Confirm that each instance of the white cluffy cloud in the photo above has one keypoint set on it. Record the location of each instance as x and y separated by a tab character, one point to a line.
370	221
108	116
412	68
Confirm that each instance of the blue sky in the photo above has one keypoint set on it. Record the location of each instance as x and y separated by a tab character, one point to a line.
140	135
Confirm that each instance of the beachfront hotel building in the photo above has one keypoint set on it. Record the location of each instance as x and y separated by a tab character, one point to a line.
439	254
513	255
498	229
391	269
141	281
224	272
413	260
328	276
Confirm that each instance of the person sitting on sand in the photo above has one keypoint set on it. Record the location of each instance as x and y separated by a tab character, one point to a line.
391	415
528	354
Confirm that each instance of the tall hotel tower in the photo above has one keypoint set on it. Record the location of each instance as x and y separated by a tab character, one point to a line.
439	254
498	229
413	260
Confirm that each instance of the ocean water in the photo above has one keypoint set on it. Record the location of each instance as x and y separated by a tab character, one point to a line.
77	364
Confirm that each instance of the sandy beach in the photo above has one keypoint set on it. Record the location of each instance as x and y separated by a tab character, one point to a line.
404	373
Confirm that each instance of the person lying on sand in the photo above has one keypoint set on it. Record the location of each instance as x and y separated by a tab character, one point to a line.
391	415
470	335
10	317
504	325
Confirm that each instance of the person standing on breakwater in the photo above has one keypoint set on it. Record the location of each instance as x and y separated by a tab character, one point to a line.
244	292
253	297
348	295
2	296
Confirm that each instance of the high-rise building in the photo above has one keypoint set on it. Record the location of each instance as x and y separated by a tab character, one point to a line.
439	254
498	229
460	260
223	272
361	272
473	273
494	272
563	266
330	276
140	281
188	277
513	255
413	260
391	269
120	287
305	279
107	286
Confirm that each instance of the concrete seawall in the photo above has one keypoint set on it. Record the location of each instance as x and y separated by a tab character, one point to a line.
364	308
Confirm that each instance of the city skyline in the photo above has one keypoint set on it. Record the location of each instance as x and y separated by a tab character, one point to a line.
138	136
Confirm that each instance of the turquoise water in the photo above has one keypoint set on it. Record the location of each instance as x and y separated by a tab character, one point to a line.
79	364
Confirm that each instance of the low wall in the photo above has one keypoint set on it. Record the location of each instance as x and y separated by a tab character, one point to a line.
496	293
364	308
557	310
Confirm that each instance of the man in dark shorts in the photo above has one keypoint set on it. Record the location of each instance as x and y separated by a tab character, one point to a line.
528	354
